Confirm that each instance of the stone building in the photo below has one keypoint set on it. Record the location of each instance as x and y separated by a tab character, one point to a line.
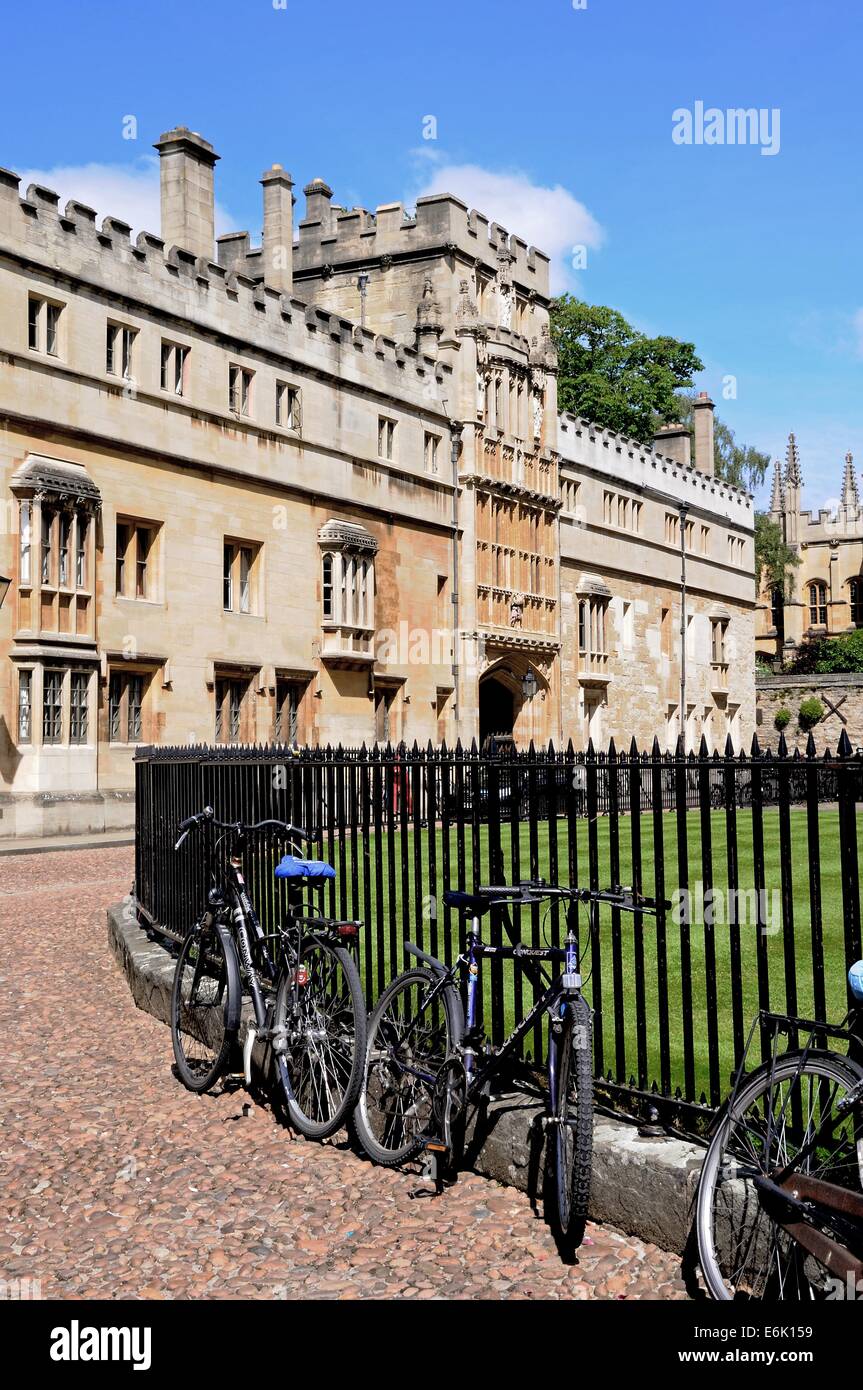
318	490
824	593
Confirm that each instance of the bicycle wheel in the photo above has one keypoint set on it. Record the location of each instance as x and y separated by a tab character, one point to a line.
205	1007
409	1041
325	1032
745	1250
572	1149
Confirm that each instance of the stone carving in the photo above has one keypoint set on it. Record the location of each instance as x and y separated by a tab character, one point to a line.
516	610
466	310
504	300
537	415
429	320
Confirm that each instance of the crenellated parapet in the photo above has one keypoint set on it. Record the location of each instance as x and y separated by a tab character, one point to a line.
196	292
331	235
640	466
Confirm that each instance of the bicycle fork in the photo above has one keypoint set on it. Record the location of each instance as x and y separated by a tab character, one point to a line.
571	982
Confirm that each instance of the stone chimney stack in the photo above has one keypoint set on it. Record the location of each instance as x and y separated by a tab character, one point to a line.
675	441
278	247
186	163
702	416
318	202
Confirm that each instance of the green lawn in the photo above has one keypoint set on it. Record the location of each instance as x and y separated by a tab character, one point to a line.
413	910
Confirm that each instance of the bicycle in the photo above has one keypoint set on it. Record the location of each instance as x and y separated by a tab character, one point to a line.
307	1001
424	1065
779	1212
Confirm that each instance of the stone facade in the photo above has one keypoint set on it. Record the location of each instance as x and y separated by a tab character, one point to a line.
625	512
318	490
825	589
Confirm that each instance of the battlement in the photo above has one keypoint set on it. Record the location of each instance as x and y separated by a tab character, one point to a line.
831	523
174	281
581	442
331	235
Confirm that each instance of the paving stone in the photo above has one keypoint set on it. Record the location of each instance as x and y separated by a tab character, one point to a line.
116	1182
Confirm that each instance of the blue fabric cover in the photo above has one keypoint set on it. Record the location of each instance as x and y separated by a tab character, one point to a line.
303	868
855	979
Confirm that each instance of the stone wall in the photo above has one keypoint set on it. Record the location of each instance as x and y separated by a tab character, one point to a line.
845	692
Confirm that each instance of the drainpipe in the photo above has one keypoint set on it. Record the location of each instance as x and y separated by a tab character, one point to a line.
682	513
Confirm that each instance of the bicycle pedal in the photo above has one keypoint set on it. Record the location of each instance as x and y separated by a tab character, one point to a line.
434	1166
434	1145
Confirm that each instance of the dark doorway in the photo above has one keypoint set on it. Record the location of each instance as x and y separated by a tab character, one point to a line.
496	709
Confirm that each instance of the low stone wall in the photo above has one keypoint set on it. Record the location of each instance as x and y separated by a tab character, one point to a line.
645	1187
50	814
845	692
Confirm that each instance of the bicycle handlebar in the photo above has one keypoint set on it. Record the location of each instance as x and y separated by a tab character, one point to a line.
530	890
208	817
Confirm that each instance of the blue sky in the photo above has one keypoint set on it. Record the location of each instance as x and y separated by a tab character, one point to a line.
553	119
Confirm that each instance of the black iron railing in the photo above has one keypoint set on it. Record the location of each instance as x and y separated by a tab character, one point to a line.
757	853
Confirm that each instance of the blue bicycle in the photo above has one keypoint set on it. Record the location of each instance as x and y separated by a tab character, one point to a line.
427	1063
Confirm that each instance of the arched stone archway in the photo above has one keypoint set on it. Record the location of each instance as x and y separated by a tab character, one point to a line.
503	708
496	709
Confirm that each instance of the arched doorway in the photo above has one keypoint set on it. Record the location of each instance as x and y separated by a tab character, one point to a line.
496	709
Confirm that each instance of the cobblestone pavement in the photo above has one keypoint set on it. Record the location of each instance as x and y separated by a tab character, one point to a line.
116	1182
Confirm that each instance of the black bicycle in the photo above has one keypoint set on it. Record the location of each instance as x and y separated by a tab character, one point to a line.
307	1001
779	1214
426	1063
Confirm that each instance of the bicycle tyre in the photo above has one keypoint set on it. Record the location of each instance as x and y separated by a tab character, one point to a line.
825	1066
572	1149
211	1025
311	1110
370	1116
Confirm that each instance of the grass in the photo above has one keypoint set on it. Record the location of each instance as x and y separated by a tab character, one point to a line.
412	909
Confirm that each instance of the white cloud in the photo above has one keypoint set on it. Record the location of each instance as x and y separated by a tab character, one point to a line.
127	191
549	218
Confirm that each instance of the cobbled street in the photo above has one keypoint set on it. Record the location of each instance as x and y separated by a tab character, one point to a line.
116	1182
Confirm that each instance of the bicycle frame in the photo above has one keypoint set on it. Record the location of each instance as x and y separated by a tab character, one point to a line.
567	985
245	918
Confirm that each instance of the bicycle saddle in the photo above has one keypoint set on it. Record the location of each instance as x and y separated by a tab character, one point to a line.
467	902
291	867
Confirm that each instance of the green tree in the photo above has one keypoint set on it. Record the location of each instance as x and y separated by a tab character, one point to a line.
773	558
612	374
824	655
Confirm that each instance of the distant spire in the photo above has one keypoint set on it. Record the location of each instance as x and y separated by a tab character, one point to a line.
777	496
792	462
849	484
